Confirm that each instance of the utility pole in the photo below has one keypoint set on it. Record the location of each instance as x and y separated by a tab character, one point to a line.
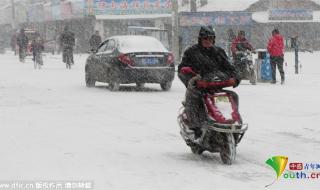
175	30
13	22
294	44
296	55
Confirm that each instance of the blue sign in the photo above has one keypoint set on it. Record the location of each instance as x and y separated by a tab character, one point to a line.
128	7
215	18
290	14
266	71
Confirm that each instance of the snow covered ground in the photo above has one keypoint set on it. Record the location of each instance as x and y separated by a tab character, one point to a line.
55	128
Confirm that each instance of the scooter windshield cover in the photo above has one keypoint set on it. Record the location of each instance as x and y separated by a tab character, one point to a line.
222	108
223	104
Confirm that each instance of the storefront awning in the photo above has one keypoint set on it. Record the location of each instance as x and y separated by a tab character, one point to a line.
126	17
263	17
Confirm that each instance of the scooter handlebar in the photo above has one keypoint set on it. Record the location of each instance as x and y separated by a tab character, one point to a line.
216	84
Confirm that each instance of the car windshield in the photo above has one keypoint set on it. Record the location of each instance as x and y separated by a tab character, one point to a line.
140	44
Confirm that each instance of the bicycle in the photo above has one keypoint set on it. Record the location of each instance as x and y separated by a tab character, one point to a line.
68	57
38	61
22	54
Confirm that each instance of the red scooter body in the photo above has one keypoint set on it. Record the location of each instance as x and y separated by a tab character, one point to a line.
221	100
223	128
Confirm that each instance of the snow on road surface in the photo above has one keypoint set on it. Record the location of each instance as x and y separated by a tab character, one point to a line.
55	128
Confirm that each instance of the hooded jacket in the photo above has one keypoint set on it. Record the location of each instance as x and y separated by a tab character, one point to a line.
22	40
67	39
276	45
206	60
95	41
37	45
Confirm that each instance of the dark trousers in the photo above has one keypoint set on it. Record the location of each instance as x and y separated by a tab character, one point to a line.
277	61
194	108
37	57
67	55
22	53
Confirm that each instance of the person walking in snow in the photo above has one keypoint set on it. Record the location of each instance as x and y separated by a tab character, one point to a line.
22	42
95	40
37	47
276	50
67	43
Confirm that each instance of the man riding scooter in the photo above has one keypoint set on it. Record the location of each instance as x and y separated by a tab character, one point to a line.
204	60
242	57
240	43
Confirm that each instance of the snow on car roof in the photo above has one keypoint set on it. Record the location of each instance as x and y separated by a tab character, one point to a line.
138	43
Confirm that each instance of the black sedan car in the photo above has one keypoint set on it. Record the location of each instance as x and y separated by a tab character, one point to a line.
130	59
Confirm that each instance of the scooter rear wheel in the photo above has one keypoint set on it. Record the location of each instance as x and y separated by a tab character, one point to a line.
228	149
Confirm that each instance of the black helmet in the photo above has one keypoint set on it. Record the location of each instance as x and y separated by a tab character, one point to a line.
242	32
275	31
207	31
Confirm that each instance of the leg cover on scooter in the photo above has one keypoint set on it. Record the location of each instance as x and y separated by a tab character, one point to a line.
194	110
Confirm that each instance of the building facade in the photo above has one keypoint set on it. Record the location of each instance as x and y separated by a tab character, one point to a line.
294	18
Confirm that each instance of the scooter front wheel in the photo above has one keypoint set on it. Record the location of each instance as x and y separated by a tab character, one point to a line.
253	77
228	149
196	149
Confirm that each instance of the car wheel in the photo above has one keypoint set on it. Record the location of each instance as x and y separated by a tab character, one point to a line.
140	85
114	83
114	86
166	85
89	81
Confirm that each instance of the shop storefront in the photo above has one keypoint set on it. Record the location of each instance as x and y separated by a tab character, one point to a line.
222	21
116	17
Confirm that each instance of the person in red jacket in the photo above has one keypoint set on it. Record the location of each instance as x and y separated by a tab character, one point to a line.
275	49
240	43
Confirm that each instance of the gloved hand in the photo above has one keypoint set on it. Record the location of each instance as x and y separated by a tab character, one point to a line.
237	82
187	70
192	81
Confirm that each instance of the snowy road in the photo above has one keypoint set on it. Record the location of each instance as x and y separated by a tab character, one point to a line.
55	128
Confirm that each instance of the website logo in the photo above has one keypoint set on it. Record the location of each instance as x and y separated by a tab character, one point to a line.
278	163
